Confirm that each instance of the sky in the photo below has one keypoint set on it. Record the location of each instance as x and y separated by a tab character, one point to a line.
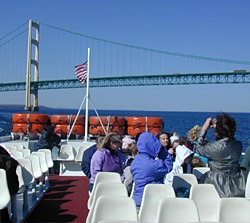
212	28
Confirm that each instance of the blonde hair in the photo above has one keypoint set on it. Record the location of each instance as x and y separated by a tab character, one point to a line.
99	141
197	162
133	149
192	133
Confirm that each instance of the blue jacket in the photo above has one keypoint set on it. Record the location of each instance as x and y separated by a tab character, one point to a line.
147	168
86	158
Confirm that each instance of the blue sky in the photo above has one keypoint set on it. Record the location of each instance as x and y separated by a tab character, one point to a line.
212	28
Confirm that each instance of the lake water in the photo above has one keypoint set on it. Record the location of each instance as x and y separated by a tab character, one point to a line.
179	122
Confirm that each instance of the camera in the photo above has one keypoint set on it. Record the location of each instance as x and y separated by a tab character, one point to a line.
212	122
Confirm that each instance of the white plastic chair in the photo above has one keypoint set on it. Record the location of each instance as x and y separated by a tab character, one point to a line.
185	180
48	157
199	171
234	209
19	146
16	154
80	151
247	191
11	147
133	189
120	221
117	208
44	167
14	209
66	157
103	177
37	174
5	194
177	210
207	201
66	153
28	180
106	189
25	152
152	195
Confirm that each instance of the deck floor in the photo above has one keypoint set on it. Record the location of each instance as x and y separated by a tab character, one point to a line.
65	201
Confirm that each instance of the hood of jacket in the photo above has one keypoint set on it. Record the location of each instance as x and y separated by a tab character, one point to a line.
182	152
149	144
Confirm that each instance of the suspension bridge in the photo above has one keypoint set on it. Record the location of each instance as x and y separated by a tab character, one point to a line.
37	56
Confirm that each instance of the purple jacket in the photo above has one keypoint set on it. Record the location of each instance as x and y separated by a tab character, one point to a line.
146	167
104	161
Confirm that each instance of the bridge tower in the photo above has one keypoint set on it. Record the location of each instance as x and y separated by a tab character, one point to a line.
33	48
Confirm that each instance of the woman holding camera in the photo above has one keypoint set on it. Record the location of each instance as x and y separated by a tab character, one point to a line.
223	156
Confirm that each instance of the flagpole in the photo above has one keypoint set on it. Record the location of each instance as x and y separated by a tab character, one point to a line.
87	100
79	110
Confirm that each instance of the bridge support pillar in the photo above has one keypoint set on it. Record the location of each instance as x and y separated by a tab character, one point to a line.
34	88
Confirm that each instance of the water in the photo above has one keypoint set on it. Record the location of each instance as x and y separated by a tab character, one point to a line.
179	122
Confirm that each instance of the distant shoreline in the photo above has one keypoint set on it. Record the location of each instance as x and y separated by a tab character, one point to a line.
41	107
18	106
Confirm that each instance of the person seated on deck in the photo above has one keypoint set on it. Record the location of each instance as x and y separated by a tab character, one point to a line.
132	151
164	138
192	136
9	164
223	156
108	158
126	142
196	162
183	156
245	164
147	167
48	139
87	155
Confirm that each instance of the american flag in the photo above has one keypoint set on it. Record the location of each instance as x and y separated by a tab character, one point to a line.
82	72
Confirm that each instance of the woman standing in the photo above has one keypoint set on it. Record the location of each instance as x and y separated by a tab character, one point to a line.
108	158
223	156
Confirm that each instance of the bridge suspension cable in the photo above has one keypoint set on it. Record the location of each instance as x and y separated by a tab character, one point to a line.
12	32
61	49
152	50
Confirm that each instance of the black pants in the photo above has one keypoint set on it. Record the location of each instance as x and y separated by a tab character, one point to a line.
5	218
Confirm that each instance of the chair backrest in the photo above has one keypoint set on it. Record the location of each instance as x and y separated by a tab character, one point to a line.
179	210
35	164
152	195
48	156
25	152
26	171
207	201
247	191
19	172
66	153
116	221
234	209
19	146
80	151
133	189
199	171
106	189
117	208
11	147
185	180
43	162
16	154
103	177
5	194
